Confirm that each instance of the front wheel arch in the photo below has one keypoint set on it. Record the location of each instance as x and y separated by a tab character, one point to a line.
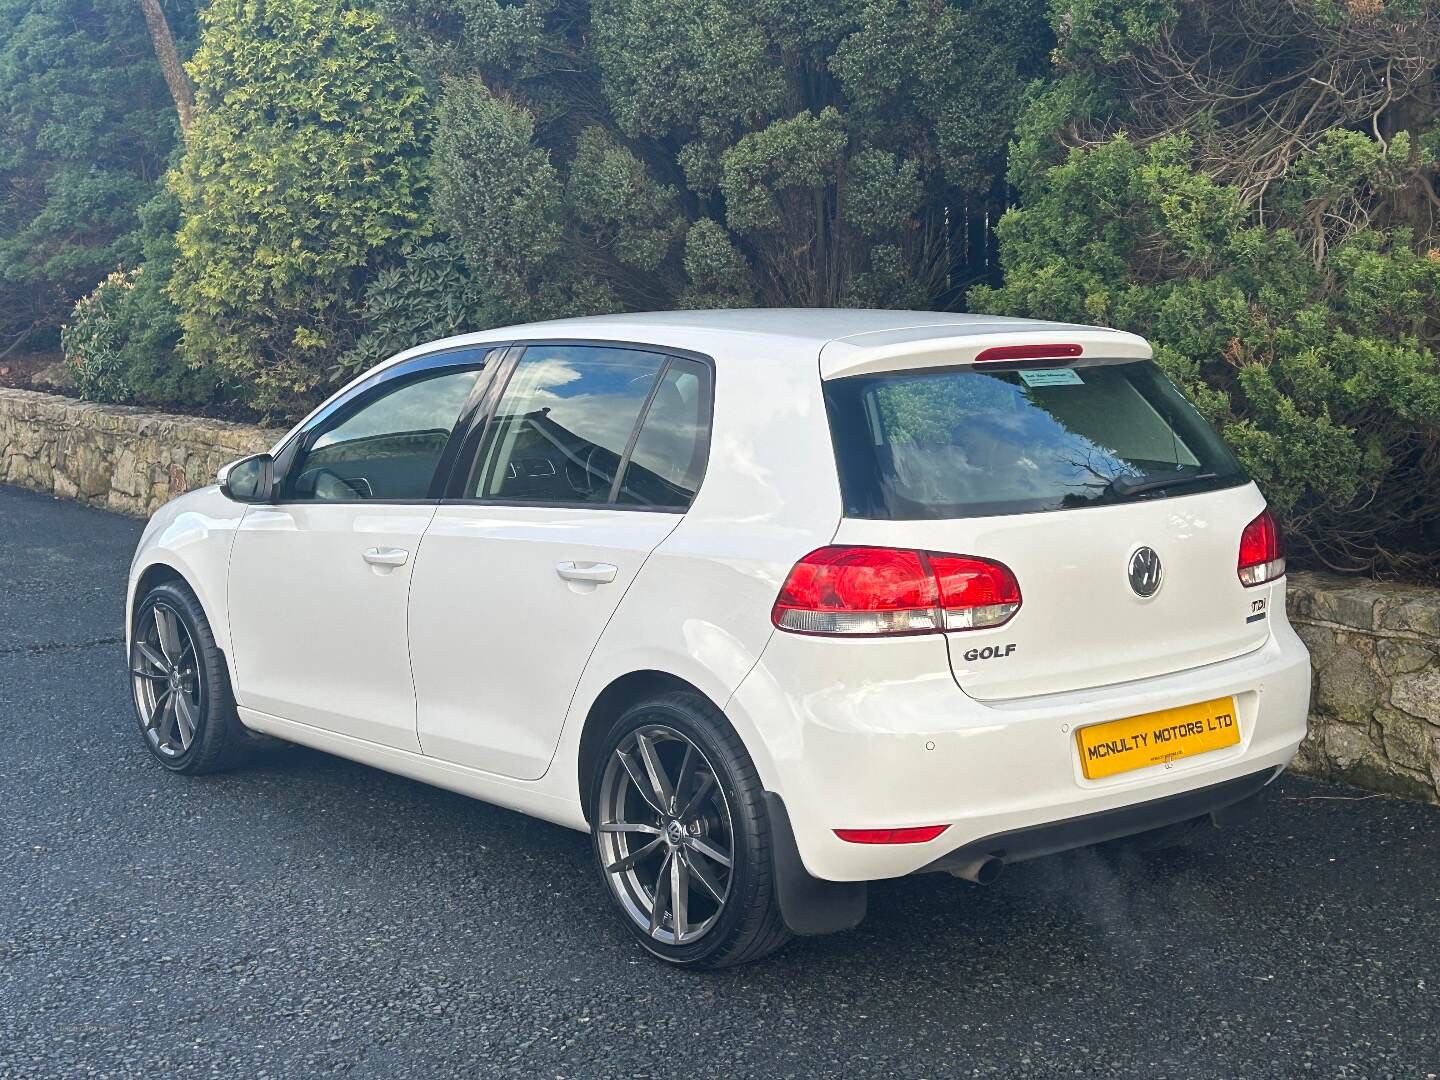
159	572
153	575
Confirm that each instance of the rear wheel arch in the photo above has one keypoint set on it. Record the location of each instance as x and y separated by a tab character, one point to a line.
619	695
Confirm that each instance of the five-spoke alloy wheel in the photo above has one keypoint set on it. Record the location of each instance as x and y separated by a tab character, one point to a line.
683	845
169	687
180	685
666	834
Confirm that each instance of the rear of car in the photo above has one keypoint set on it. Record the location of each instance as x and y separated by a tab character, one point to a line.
1052	613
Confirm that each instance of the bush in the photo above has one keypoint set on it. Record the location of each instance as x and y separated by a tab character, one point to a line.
428	296
1321	373
121	339
92	339
501	198
595	155
303	176
86	125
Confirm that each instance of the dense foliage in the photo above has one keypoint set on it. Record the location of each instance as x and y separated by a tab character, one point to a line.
86	126
304	173
1250	183
637	154
120	340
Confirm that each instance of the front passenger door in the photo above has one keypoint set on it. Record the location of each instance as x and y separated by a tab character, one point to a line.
319	580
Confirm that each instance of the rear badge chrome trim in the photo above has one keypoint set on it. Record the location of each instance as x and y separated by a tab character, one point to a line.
1145	572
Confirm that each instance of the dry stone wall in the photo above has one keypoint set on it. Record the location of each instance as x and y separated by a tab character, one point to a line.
121	458
1375	704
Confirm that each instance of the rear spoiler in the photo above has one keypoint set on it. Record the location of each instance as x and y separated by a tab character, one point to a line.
921	347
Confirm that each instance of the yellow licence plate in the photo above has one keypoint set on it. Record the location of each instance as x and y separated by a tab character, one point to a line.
1132	743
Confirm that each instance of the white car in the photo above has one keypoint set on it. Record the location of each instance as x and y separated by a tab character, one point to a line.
772	603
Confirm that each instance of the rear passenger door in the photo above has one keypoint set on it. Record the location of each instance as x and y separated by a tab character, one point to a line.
582	464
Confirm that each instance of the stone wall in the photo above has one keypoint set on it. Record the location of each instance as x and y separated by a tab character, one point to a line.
121	458
1375	709
1375	713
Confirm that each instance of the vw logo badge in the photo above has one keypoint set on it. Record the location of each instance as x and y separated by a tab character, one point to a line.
1145	571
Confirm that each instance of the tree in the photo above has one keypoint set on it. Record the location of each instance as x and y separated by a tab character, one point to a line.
627	154
86	127
304	174
169	59
1252	186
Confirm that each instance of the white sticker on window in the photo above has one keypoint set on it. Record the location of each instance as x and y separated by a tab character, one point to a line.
1051	377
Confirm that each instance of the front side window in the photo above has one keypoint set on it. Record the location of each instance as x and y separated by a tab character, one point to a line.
970	442
388	449
563	424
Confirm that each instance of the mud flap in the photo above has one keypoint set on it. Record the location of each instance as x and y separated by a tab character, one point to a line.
809	905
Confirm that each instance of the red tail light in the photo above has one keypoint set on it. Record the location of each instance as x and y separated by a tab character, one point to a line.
1262	554
874	590
920	834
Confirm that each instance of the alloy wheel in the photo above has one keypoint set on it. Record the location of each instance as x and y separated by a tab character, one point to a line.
666	837
166	679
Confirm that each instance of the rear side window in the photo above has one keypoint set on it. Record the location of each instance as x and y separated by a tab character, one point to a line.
668	459
966	442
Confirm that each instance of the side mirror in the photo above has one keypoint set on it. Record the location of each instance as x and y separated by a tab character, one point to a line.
249	480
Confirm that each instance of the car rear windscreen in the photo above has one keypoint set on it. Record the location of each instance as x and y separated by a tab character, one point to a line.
968	442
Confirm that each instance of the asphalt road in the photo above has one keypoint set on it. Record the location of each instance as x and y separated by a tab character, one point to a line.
307	916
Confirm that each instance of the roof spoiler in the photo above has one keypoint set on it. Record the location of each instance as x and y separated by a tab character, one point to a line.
908	350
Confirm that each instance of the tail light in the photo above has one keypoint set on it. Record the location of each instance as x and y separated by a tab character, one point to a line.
1262	554
919	834
874	590
1028	352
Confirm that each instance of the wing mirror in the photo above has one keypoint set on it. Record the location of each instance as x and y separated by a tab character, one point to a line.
249	480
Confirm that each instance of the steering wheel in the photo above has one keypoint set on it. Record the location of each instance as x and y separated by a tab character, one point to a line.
331	485
586	486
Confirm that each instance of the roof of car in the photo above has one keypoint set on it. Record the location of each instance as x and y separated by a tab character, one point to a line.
818	325
856	337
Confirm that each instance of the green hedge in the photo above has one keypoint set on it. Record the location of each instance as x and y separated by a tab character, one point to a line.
305	173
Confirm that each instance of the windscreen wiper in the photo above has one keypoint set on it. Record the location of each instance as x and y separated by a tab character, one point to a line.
1125	486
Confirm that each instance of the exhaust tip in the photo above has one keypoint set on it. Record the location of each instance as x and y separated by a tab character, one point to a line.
982	870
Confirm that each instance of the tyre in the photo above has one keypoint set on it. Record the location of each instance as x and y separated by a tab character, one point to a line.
680	835
180	686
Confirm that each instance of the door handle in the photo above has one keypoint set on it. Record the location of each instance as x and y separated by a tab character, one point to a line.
596	573
386	556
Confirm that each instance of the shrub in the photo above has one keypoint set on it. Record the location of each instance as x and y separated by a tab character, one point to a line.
121	339
1268	218
428	295
304	174
639	154
86	125
92	339
1319	370
501	198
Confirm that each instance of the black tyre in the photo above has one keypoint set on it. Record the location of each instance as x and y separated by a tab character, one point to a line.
179	684
681	836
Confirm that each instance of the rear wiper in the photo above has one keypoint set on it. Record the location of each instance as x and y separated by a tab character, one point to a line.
1125	486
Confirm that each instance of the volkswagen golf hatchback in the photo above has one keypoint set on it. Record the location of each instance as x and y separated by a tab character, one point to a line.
770	603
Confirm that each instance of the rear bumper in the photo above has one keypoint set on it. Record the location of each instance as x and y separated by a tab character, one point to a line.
1227	801
876	734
